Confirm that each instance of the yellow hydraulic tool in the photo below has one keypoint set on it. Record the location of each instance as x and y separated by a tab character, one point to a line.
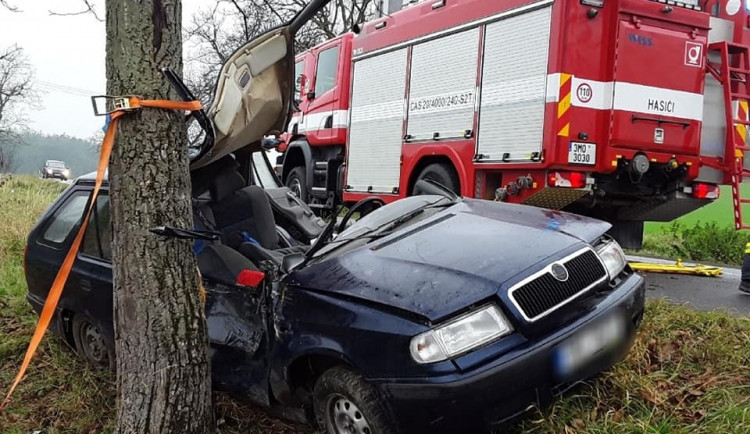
678	268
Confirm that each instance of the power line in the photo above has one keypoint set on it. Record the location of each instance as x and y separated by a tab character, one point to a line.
55	87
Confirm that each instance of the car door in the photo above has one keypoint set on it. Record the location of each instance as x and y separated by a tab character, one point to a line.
255	89
91	291
323	93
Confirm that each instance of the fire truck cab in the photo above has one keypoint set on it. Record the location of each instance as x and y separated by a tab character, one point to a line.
615	109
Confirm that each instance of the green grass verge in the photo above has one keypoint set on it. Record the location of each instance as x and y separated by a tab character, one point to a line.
688	371
719	212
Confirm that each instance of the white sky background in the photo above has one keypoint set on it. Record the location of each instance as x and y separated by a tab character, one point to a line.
65	51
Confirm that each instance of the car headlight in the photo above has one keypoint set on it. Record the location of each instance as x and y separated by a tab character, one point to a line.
48	170
612	257
459	335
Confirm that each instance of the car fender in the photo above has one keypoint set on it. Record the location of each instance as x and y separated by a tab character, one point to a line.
298	347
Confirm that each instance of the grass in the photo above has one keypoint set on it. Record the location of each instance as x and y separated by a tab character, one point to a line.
719	212
687	372
706	234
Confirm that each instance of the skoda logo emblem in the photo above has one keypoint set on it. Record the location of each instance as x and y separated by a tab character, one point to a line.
559	272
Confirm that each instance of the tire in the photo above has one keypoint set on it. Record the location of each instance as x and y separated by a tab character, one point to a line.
296	181
441	173
91	344
340	396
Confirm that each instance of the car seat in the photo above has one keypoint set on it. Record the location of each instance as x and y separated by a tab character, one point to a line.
244	217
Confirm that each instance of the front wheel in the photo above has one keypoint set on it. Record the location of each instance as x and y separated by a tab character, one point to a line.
345	403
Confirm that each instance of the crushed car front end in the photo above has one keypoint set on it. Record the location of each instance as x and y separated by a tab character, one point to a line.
528	367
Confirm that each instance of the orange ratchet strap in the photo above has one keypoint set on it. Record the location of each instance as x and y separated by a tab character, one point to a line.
130	103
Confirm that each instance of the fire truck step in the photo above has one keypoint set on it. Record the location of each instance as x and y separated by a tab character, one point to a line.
740	96
740	122
740	71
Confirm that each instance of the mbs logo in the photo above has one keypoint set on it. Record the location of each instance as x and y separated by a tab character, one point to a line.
694	54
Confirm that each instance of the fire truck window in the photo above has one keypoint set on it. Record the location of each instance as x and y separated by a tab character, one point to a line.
299	69
326	73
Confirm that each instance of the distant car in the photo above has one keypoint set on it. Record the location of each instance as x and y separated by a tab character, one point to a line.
56	169
432	312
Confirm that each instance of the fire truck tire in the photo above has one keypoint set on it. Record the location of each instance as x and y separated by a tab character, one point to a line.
441	173
296	182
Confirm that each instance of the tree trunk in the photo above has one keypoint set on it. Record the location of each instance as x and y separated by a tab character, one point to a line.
163	372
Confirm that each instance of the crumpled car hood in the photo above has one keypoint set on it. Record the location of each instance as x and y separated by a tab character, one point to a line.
457	257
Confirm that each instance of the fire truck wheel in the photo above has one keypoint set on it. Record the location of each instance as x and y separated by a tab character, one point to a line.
441	173
296	183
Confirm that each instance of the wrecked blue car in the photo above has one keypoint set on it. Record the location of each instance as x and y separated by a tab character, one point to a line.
432	313
427	312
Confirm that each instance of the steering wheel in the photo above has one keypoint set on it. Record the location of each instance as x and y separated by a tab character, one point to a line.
373	202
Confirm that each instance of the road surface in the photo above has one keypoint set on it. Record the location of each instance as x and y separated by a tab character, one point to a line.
703	293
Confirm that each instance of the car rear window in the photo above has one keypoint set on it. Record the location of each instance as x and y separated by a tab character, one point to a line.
65	218
97	242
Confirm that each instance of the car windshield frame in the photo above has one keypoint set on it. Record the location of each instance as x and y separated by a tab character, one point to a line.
384	227
268	173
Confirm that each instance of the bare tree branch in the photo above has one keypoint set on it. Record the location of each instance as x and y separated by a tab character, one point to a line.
16	95
89	10
8	6
215	34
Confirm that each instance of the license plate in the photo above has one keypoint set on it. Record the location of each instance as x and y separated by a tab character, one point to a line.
586	345
582	153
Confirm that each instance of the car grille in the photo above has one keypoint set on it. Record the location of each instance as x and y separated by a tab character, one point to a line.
544	293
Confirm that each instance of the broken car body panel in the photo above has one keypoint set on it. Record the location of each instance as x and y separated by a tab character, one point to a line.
254	89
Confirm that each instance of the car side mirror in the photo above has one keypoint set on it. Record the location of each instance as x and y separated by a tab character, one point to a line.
311	95
291	261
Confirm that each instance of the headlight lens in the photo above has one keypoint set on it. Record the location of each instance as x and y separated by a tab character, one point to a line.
613	258
460	335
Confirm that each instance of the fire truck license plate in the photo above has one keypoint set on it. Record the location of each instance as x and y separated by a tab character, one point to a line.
582	153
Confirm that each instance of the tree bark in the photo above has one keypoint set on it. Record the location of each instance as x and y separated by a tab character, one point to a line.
163	372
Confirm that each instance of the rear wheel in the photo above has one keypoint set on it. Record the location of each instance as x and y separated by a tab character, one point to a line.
441	173
296	183
345	403
90	343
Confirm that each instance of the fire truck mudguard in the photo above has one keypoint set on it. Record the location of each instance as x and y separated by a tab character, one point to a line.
297	154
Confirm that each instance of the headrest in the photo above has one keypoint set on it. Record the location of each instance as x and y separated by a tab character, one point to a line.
225	184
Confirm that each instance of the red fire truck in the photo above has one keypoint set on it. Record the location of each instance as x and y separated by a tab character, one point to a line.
616	109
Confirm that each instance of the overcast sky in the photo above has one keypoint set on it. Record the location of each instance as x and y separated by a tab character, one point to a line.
68	56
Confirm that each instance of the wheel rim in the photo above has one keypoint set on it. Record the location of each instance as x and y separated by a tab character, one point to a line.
345	417
93	344
295	187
